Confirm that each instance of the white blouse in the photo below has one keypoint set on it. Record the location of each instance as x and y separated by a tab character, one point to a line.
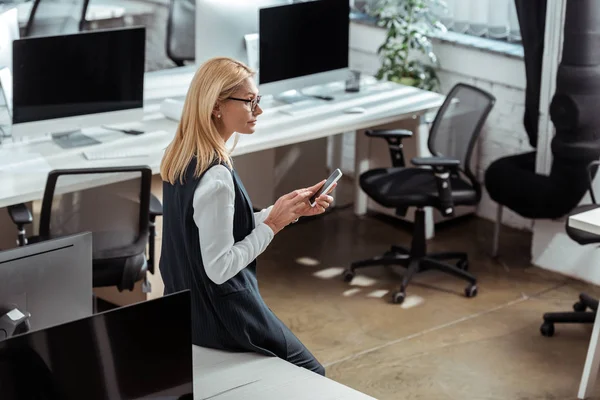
214	206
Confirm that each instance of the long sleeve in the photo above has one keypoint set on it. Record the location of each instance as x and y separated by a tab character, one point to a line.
261	216
214	206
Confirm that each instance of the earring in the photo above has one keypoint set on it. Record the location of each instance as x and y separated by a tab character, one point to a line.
219	116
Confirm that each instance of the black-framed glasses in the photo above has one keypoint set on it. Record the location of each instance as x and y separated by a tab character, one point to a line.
253	102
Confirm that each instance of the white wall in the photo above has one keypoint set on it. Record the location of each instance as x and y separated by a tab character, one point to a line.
500	74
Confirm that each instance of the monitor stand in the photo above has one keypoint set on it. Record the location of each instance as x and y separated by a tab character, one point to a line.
73	139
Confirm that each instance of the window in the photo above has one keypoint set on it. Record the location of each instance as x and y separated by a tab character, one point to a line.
494	19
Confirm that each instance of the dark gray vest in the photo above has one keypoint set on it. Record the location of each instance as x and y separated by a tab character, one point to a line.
233	315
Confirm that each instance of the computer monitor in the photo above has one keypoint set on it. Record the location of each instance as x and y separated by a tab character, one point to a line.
303	44
51	281
141	351
69	82
222	27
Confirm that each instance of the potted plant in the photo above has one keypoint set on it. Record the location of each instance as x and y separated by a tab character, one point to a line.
406	54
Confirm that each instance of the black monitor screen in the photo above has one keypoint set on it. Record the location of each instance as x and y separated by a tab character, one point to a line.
303	39
78	74
142	351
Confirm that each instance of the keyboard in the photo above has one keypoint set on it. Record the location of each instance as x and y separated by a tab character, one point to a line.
137	146
112	154
303	108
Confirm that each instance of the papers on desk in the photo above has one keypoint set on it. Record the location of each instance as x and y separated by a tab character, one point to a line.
588	221
15	162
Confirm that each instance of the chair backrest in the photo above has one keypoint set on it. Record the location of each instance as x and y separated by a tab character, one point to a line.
458	123
181	31
112	203
56	17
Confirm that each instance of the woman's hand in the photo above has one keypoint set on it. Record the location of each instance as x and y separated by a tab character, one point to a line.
290	207
287	209
322	203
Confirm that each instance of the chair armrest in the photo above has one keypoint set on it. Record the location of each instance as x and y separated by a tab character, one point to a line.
389	133
394	138
435	162
20	214
441	169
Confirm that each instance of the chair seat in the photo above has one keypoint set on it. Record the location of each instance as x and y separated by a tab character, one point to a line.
582	237
398	187
121	272
120	267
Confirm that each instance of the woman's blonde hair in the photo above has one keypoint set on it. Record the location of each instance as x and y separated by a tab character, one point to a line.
197	135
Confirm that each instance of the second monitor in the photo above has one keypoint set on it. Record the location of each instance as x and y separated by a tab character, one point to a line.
69	82
303	44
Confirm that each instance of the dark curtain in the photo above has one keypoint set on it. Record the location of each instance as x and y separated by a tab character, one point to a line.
532	21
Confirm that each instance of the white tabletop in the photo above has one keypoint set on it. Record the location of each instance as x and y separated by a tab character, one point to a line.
223	375
25	164
588	221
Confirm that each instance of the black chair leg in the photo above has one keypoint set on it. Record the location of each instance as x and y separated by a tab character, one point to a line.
461	257
399	295
585	301
400	250
578	316
448	269
470	290
389	258
416	260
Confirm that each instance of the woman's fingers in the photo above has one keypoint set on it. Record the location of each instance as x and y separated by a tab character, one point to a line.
323	204
314	188
332	187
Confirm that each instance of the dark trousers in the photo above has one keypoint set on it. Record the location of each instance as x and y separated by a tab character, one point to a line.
299	355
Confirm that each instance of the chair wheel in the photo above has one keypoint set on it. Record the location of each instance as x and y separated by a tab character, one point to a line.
547	329
579	307
348	275
398	297
463	264
471	290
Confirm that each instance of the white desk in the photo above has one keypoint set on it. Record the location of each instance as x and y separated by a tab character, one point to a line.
589	221
384	102
222	375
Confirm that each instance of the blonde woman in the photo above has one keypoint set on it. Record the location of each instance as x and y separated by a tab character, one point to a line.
211	236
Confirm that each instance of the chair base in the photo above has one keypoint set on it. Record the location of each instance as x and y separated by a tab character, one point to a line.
578	316
417	260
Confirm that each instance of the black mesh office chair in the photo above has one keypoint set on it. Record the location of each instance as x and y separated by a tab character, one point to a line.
445	183
56	17
181	31
579	315
119	211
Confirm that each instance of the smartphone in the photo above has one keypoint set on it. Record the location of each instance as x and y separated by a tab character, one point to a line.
333	178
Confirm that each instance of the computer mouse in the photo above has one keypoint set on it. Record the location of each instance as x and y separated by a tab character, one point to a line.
355	110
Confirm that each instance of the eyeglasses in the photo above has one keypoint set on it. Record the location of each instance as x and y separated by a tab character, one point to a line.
253	102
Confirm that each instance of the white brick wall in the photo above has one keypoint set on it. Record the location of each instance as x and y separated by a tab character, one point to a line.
501	75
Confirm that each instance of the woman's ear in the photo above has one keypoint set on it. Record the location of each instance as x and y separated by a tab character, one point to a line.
216	112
